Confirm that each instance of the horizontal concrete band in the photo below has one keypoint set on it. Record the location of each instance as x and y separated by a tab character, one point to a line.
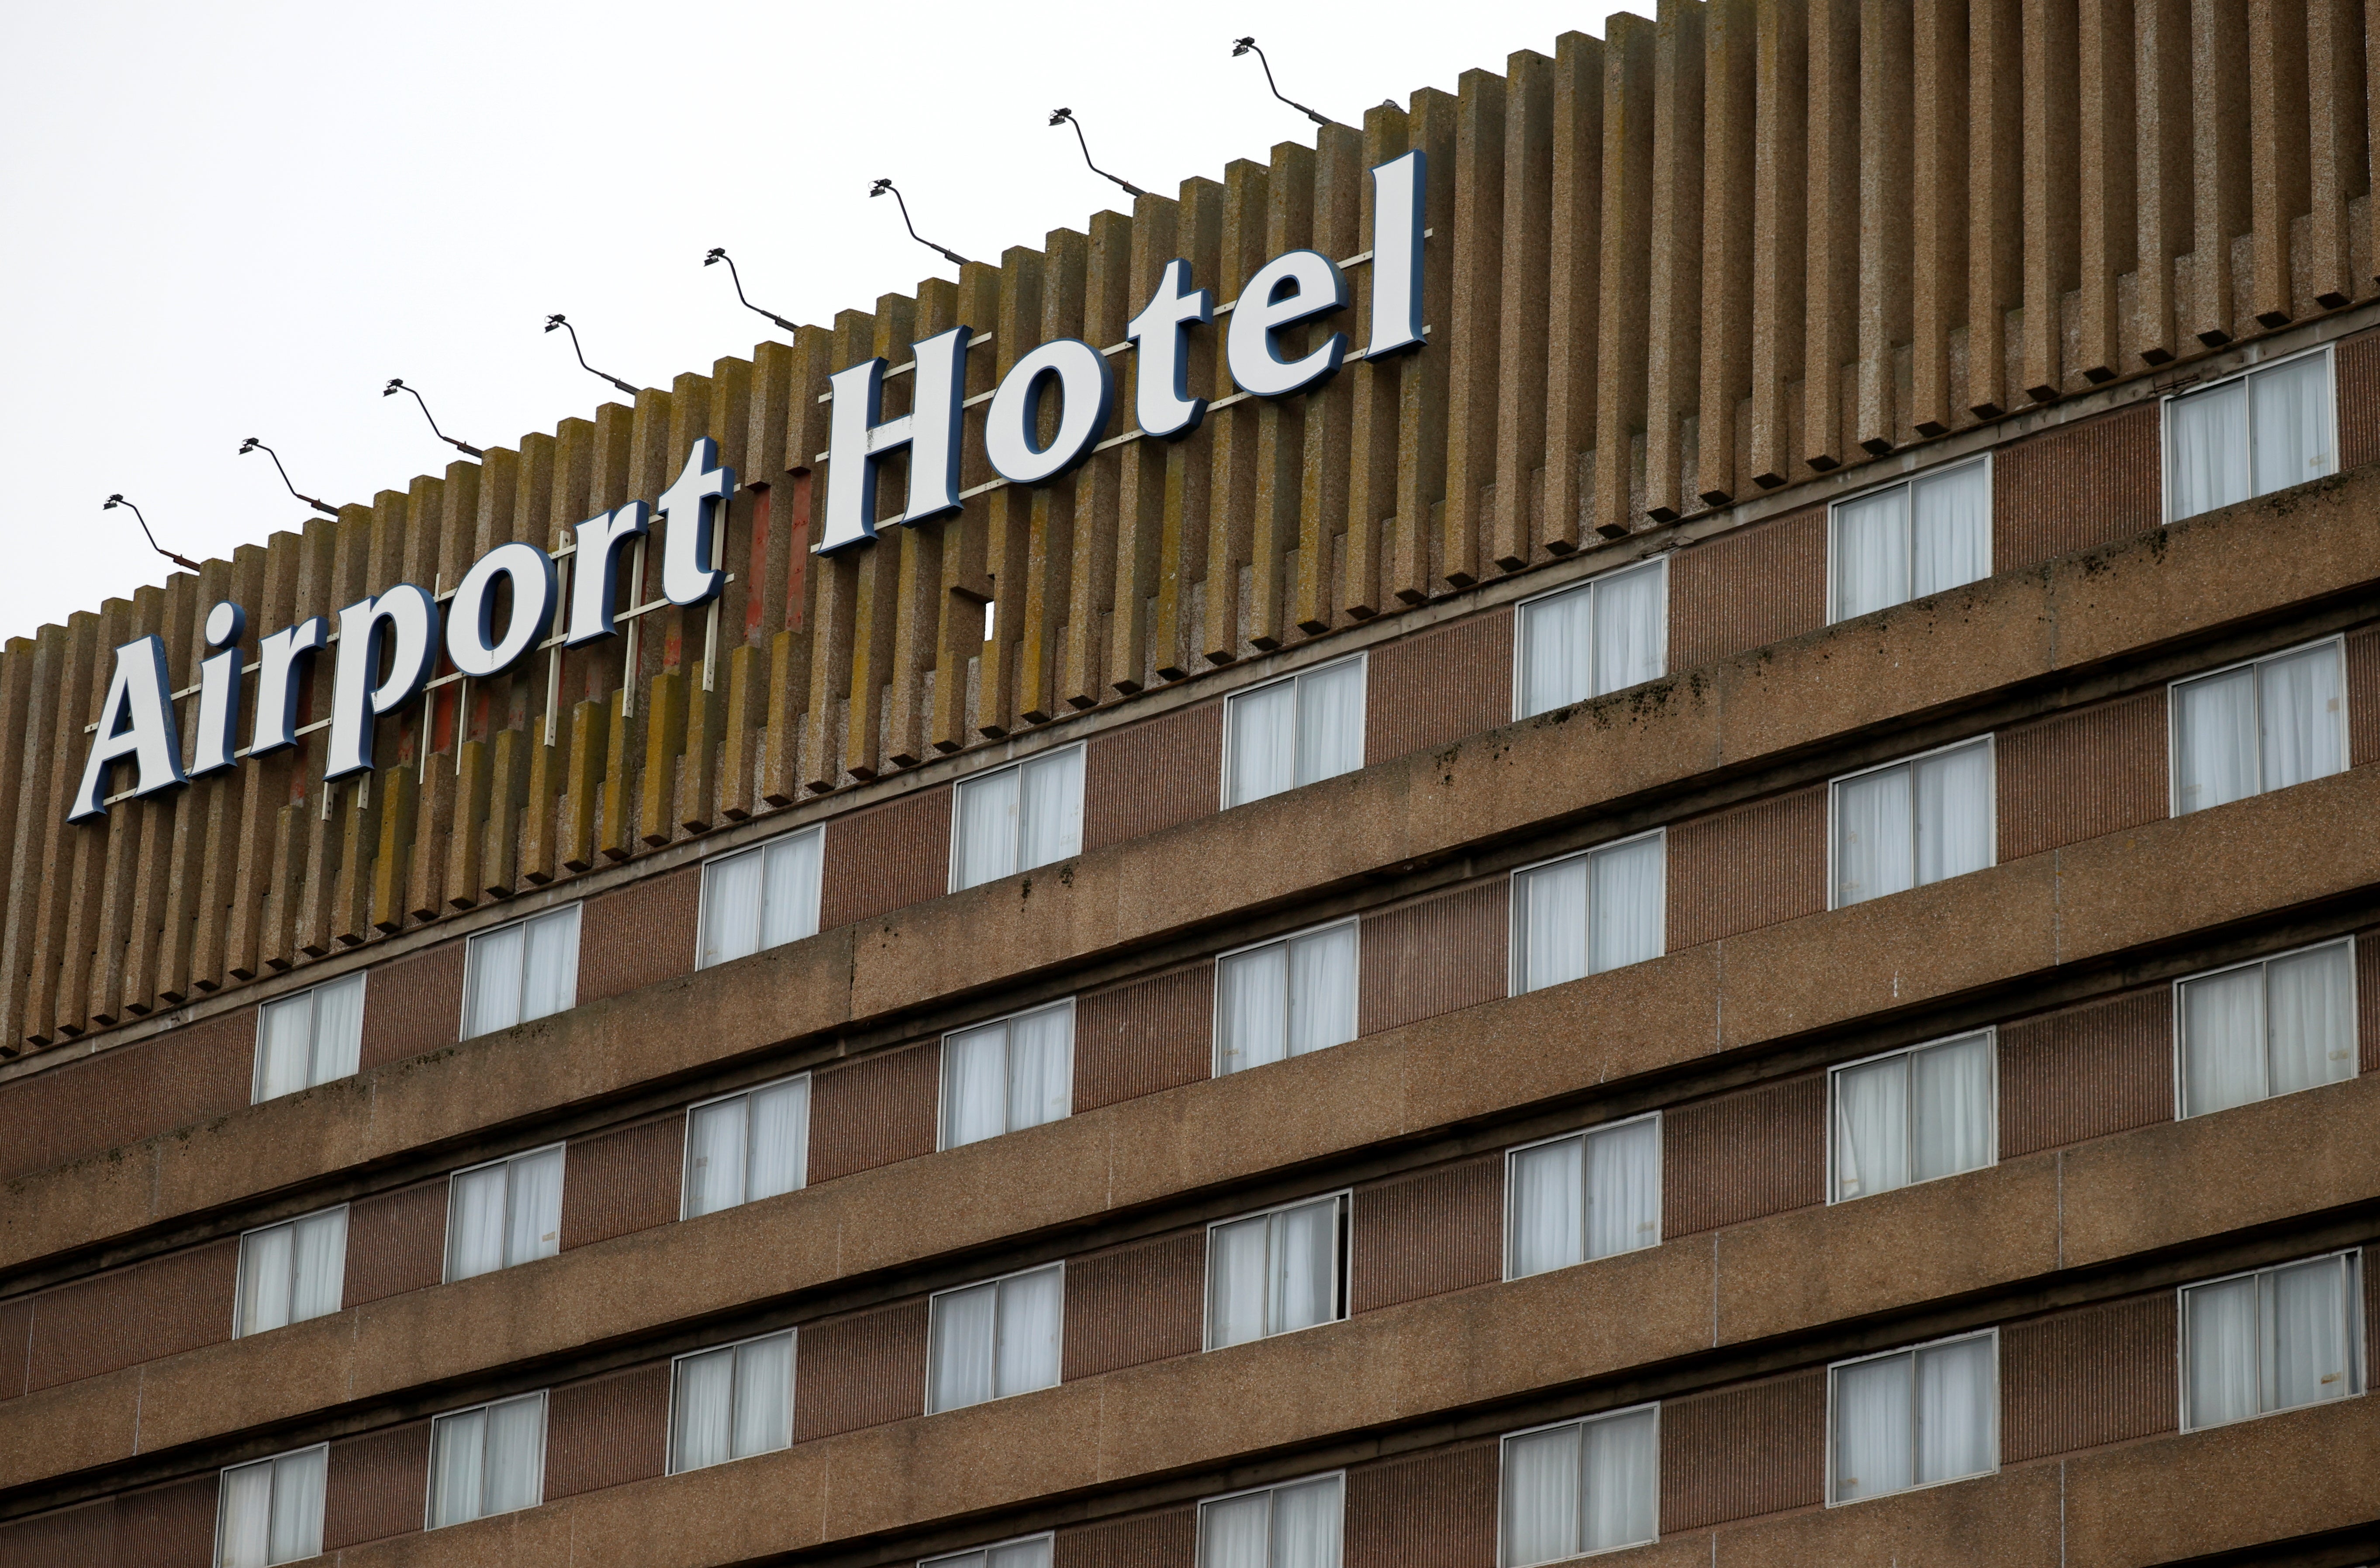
1927	658
2088	903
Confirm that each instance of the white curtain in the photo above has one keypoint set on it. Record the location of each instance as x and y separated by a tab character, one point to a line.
764	1395
1548	1208
2310	1329
1322	988
2219	1335
2300	709
2206	465
533	1226
266	1260
516	1477
244	1517
1557	651
1553	923
1236	1533
1953	1091
964	1325
2214	747
1032	1311
1624	905
475	1222
790	898
702	1427
1954	812
715	1156
1872	1127
1541	1501
457	1460
338	1028
2310	1002
1252	1007
732	898
1304	1267
495	960
1306	1525
1237	1258
987	826
1263	742
2289	411
298	1481
1873	841
1623	1187
2223	1040
1624	1482
284	1045
1872	553
1051	820
318	1284
1873	1438
1951	529
549	977
1034	1553
1041	1066
975	1093
778	1144
1330	722
1957	1396
1630	642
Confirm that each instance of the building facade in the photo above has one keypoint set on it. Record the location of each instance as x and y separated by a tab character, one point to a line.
1728	912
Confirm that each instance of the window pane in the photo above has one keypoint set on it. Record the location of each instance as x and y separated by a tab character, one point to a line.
731	906
2310	1333
987	828
284	1045
1553	923
2206	446
790	899
1237	1534
1020	1554
1954	813
1252	1009
2219	1336
1052	821
1955	1402
1951	1094
1236	1255
714	1156
1871	552
1040	1067
964	1321
2289	407
1322	989
2310	999
1305	1526
1623	1188
2223	1040
1557	651
1031	1308
1263	743
458	1452
551	982
1872	844
1625	904
701	1429
2299	708
265	1261
1622	1481
297	1504
2214	741
338	1028
975	1089
778	1152
764	1395
495	969
534	1224
1306	1271
1873	1440
1541	1504
1330	722
320	1286
1950	530
516	1454
1549	1206
1630	647
475	1222
244	1517
1872	1127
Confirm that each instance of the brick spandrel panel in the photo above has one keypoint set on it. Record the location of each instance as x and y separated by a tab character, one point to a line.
72	1538
167	1526
2081	775
639	935
121	1096
1747	867
874	1111
1748	588
16	1345
1435	956
2367	1000
413	1005
161	1308
2363	697
1153	776
2357	359
1433	1511
860	1371
1138	1303
622	1181
376	1485
396	1242
2087	1072
1146	1036
1438	686
607	1431
885	858
1428	1233
1168	1538
2077	1380
1740	1453
2075	487
1742	1156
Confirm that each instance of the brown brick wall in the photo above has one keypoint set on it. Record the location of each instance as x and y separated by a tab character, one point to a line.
413	1005
396	1240
16	1345
2087	1072
1736	1157
1418	1236
160	1307
1145	1035
2098	1375
639	934
1432	956
2367	998
73	1538
2363	697
377	1485
1143	1301
1747	588
2357	362
885	858
167	1526
862	1370
2075	486
2098	770
874	1110
121	1096
1740	1453
1747	867
1432	1511
621	1181
1149	777
607	1431
1438	686
1168	1538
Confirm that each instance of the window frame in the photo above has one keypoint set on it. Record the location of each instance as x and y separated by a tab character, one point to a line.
544	1447
470	961
362	977
1362	657
932	1296
215	1548
239	1281
1991	1033
988	1548
2354	1315
1581	1421
1512	1197
758	846
1342	1286
1515	923
446	1248
1989	740
685	1145
1082	812
1198	1543
943	1079
1834	1368
1910	481
1215	999
2181	1044
2165	423
2173	726
1660	560
793	1335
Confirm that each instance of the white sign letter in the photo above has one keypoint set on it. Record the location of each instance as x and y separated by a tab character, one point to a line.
689	574
406	618
1161	394
471	619
1396	255
136	720
1288	289
859	438
1085	393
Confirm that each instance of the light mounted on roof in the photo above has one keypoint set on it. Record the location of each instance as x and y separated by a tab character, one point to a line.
1248	46
719	253
252	444
1066	116
396	384
118	499
879	188
557	321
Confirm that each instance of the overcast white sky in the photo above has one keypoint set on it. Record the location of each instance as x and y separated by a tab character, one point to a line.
240	218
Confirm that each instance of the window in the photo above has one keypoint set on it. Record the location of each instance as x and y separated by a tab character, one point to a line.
1913	822
1285	998
1599	636
1588	1195
271	1511
765	896
996	1339
1031	1552
1006	1076
292	1272
1588	913
1299	731
732	1402
528	969
504	1213
2274	1339
2248	436
1581	1487
2263	726
1907	540
1295	1526
1017	818
1913	1115
487	1460
309	1039
2274	1027
1915	1418
742	1148
1274	1272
